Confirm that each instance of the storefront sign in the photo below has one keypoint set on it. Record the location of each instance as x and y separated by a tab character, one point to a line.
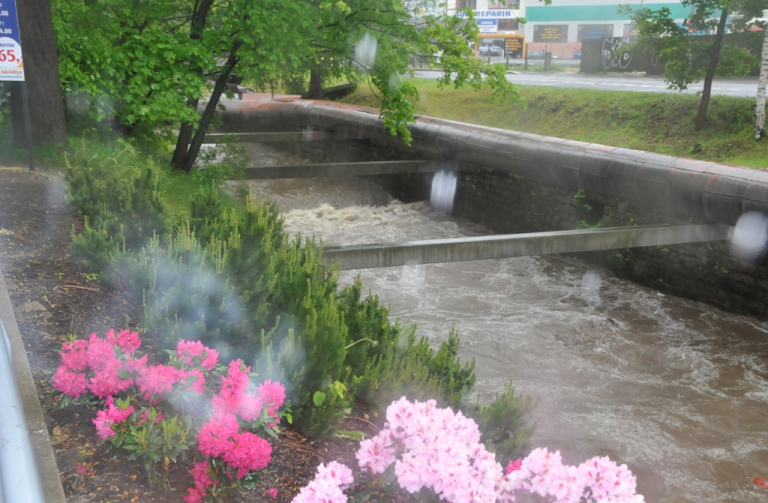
515	47
550	33
487	25
495	13
11	64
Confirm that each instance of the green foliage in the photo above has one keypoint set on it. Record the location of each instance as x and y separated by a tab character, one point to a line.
371	334
504	424
147	65
233	279
96	246
418	372
686	56
151	441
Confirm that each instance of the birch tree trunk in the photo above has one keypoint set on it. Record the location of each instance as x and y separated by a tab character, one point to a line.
760	111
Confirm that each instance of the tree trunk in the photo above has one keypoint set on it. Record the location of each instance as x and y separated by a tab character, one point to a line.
701	116
41	72
210	108
182	143
315	91
760	109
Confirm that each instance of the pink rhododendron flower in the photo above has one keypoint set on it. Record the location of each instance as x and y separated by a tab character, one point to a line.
195	381
106	382
135	366
232	389
128	341
376	454
201	475
194	496
248	452
74	355
250	407
273	396
336	472
100	353
514	466
214	435
158	379
322	489
73	384
272	492
109	416
187	350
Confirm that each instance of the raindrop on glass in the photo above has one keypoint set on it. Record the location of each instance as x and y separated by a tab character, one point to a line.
443	191
750	236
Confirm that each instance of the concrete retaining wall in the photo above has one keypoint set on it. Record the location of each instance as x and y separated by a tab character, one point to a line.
516	182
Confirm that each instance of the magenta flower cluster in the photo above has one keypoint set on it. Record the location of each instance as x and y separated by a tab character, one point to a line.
222	436
109	366
437	449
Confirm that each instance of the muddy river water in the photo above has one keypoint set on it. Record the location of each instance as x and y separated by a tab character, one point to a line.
677	390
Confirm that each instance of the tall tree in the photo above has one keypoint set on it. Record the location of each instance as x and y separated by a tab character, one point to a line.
41	71
760	108
152	64
688	56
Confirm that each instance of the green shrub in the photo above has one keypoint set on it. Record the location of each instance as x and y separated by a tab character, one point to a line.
418	372
503	424
96	246
236	281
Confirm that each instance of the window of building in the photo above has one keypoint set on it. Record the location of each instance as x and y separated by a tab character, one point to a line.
507	25
504	4
466	4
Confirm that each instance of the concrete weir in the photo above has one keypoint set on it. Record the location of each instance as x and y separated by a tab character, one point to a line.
519	245
684	187
339	169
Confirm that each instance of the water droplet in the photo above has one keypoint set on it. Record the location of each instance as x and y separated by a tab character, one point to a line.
365	50
750	236
443	191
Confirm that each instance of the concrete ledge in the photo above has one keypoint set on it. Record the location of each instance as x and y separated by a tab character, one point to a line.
341	169
519	245
33	411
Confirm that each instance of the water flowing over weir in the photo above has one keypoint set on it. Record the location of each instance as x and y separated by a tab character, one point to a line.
677	390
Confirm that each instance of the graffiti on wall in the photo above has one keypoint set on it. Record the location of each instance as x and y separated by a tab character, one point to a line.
616	57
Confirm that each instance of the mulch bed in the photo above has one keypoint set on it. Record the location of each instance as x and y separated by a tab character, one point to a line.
53	296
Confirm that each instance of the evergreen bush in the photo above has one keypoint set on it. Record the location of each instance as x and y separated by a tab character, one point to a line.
233	279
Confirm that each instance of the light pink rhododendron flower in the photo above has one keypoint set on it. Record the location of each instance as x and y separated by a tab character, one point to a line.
440	450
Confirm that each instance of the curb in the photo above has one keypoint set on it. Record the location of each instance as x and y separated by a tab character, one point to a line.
33	411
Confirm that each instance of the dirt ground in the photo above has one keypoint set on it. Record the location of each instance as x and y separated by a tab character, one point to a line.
53	296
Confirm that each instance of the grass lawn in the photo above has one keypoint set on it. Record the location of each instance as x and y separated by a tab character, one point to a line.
654	122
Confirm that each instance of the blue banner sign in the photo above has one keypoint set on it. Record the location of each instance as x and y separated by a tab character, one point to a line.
11	62
487	25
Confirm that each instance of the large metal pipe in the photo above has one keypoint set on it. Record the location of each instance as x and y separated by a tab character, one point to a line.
703	190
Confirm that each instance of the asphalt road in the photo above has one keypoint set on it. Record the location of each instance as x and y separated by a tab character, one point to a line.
745	88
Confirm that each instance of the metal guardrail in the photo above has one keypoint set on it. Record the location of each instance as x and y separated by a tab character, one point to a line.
19	478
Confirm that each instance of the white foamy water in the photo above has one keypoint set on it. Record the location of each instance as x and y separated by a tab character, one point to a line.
675	389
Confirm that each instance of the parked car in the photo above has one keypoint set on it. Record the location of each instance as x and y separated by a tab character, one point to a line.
494	50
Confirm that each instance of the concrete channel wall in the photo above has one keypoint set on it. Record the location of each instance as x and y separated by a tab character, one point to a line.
519	182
